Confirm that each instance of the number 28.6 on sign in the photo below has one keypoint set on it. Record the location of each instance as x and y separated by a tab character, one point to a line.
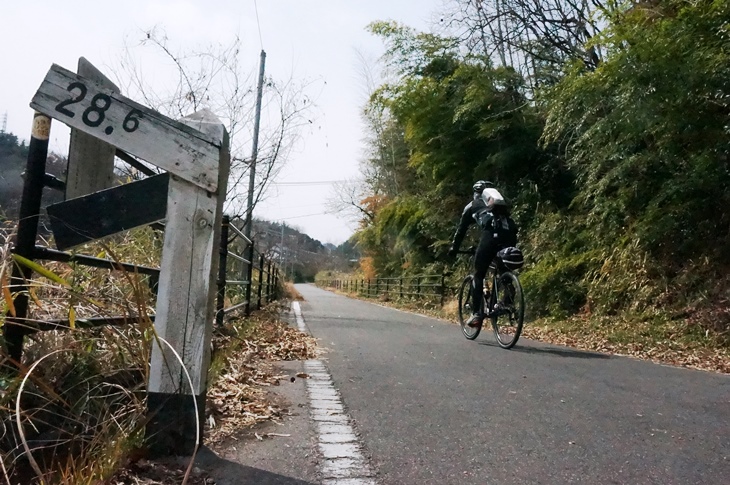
95	113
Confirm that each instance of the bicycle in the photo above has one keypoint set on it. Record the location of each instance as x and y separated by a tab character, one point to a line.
505	306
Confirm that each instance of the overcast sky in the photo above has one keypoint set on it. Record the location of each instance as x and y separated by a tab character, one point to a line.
317	40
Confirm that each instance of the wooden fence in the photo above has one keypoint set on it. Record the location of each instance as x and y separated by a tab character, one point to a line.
427	286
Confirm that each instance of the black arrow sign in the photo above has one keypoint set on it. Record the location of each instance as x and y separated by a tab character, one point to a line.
107	212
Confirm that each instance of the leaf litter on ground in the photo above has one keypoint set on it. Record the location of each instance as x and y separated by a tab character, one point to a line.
245	356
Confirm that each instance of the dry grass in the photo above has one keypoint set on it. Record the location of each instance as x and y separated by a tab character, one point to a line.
291	293
73	416
87	388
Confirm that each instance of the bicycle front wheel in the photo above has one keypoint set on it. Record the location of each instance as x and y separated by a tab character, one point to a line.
466	308
508	309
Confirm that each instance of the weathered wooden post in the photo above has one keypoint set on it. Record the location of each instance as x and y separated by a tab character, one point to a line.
195	153
90	159
185	302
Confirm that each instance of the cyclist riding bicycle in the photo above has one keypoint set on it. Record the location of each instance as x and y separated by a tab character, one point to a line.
490	211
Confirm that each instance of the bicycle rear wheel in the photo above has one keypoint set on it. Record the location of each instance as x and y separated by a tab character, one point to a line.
466	308
507	309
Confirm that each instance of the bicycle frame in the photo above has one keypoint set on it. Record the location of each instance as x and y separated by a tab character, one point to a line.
502	303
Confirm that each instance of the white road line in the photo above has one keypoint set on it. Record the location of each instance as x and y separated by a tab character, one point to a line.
343	462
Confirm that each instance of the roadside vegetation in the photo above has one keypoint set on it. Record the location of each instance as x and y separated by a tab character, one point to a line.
610	137
77	414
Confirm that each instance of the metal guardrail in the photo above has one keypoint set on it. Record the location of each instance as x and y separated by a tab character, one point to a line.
431	286
17	326
263	285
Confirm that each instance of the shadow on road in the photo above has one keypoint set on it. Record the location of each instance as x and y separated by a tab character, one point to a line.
226	472
559	351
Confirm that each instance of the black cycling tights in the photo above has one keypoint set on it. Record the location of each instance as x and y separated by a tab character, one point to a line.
486	252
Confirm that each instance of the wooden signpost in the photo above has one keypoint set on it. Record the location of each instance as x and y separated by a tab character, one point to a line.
195	153
94	109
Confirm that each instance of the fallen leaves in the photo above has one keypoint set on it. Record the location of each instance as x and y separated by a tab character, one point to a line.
632	339
237	399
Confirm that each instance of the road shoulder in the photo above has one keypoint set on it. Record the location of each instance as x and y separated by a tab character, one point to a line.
270	453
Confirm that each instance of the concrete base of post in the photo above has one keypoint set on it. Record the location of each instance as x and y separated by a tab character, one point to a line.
171	428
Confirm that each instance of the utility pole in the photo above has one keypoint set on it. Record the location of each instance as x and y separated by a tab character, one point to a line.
281	246
251	181
255	148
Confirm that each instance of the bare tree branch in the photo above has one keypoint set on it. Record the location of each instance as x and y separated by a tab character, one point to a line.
533	36
214	78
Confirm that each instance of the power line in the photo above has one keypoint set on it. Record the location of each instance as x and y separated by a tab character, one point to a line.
256	8
316	182
305	215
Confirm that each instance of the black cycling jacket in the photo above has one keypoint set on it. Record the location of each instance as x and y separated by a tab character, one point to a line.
476	211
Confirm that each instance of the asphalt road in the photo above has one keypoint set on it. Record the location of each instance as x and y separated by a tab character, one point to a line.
434	408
